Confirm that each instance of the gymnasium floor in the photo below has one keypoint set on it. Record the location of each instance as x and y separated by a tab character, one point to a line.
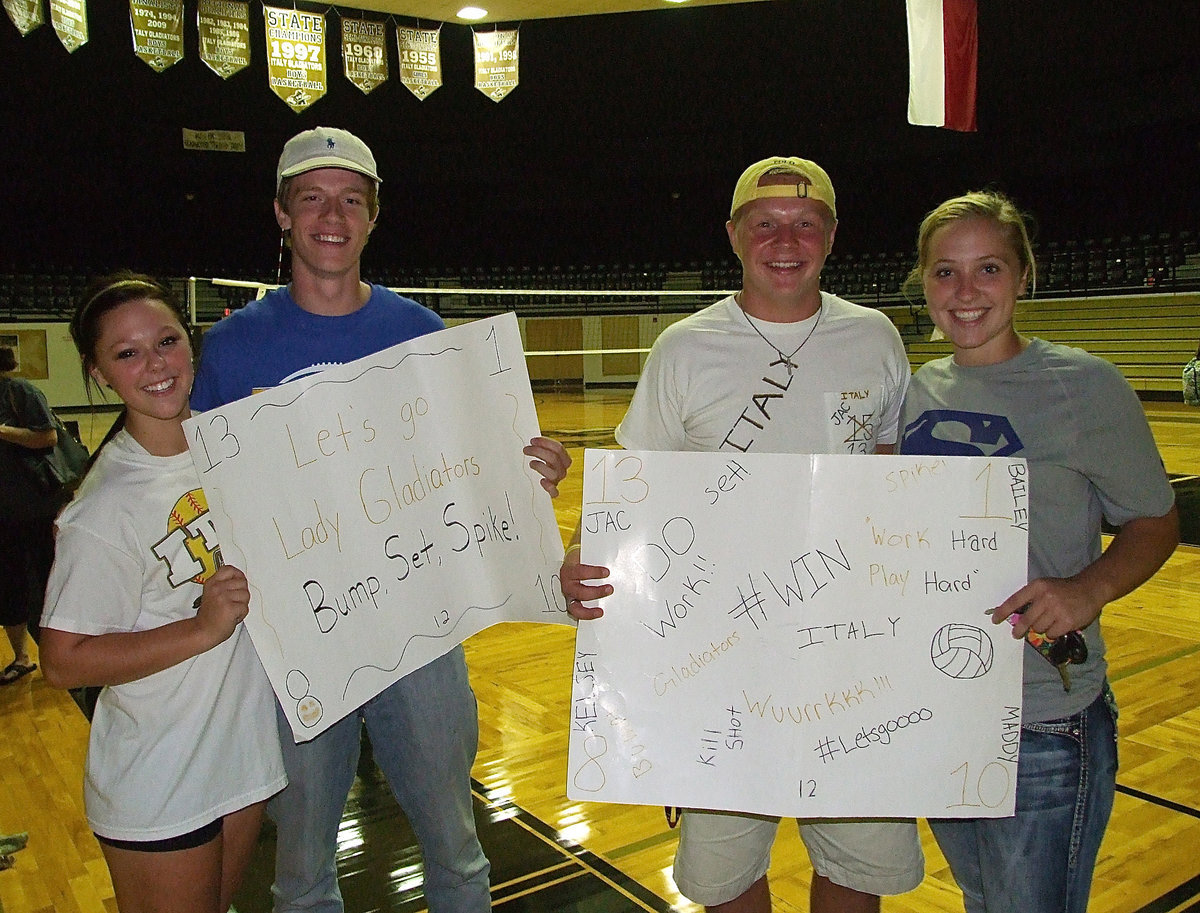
553	855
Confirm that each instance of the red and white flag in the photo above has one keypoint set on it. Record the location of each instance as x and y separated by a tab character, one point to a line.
943	51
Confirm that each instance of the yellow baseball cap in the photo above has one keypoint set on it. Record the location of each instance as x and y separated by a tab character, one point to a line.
815	185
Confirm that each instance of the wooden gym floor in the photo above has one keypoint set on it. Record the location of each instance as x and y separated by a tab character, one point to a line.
550	854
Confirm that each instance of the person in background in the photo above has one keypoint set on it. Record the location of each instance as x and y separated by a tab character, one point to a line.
1191	380
183	751
1090	455
26	511
10	845
764	370
424	728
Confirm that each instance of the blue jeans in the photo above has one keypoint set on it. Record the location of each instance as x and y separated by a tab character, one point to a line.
424	731
1041	860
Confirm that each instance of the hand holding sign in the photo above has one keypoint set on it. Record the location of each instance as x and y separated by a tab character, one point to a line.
383	512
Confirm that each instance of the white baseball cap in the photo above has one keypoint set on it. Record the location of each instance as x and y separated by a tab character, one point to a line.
325	147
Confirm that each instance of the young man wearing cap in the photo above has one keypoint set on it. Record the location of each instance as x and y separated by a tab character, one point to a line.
764	371
424	728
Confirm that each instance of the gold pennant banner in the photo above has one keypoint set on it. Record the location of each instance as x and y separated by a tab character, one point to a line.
26	15
295	55
497	58
157	32
69	18
224	30
364	53
420	59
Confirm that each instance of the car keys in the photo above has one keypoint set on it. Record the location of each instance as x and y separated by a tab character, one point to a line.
1059	652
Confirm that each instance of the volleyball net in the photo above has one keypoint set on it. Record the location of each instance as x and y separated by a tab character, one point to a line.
573	338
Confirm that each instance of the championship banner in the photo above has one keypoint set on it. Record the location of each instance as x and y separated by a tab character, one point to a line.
69	18
295	56
420	60
157	31
801	635
26	15
224	30
364	52
383	512
214	140
497	59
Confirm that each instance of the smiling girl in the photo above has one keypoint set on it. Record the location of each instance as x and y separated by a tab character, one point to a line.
184	749
1090	454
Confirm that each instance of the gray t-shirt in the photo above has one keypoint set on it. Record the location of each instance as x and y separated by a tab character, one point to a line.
1091	455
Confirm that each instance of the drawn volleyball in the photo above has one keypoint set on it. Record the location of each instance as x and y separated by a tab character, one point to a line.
962	651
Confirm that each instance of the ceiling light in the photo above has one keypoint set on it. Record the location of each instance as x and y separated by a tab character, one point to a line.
471	12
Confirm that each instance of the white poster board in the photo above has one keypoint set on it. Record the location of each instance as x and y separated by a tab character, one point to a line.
383	513
801	635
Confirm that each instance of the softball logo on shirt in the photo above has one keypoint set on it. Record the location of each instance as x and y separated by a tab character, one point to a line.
190	549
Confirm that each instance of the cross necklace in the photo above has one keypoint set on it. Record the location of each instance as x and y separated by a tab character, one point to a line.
783	359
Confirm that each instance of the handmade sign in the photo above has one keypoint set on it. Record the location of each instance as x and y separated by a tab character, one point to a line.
383	512
801	635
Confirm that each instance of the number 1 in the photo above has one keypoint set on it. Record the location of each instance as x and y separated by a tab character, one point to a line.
500	369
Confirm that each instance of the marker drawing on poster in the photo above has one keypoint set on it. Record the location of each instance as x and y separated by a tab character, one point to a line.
801	635
383	512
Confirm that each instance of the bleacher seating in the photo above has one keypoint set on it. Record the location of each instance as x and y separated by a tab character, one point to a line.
1088	267
1105	294
1149	336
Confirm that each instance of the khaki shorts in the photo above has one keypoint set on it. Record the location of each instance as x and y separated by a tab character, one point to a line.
721	854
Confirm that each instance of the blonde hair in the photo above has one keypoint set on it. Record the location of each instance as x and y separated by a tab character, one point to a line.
977	204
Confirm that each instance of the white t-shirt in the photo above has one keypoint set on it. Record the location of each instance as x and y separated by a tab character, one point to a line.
178	749
712	383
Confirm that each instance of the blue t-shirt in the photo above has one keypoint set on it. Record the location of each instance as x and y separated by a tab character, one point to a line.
274	340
